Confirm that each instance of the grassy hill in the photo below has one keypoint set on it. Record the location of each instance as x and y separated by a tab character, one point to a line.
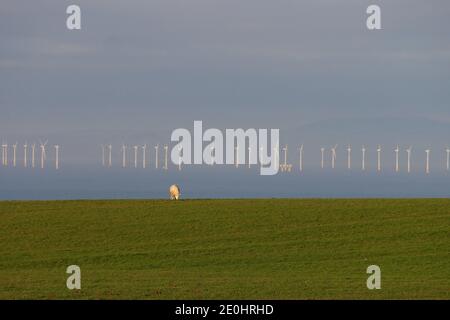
225	249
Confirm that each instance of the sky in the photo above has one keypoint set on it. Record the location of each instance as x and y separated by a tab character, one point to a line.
137	70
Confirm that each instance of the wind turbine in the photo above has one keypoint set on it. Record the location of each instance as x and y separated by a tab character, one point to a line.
33	148
427	165
103	154
135	155
110	155
379	158
156	155
166	148
237	156
448	158
43	154
322	150
249	156
286	167
144	151
5	154
349	157
300	161
56	156
333	156
408	152
124	156
14	154
25	148
396	159
363	164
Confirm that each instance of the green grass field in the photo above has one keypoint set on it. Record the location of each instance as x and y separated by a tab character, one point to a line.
225	249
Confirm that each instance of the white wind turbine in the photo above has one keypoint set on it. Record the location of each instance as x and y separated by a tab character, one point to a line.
135	155
25	149
166	149
237	156
33	148
322	150
144	152
379	158
349	157
249	156
427	165
14	154
448	158
333	156
285	166
56	156
5	154
156	155
300	161
408	153
124	156
43	154
396	158
110	155
363	164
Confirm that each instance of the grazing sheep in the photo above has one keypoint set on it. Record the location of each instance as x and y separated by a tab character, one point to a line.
174	192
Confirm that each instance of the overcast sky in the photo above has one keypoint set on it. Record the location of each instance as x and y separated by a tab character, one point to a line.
139	69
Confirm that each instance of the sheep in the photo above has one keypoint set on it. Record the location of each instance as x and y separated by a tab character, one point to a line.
174	192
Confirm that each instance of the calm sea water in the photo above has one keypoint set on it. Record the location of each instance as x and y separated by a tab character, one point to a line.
214	182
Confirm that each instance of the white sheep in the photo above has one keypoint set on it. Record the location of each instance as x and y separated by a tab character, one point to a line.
174	192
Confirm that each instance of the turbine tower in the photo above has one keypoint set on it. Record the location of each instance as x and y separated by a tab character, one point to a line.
237	156
408	153
396	158
25	148
448	158
333	156
249	156
363	164
379	158
33	148
156	155
14	154
5	154
349	157
56	156
427	165
166	148
43	154
124	156
135	155
300	161
322	150
144	152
